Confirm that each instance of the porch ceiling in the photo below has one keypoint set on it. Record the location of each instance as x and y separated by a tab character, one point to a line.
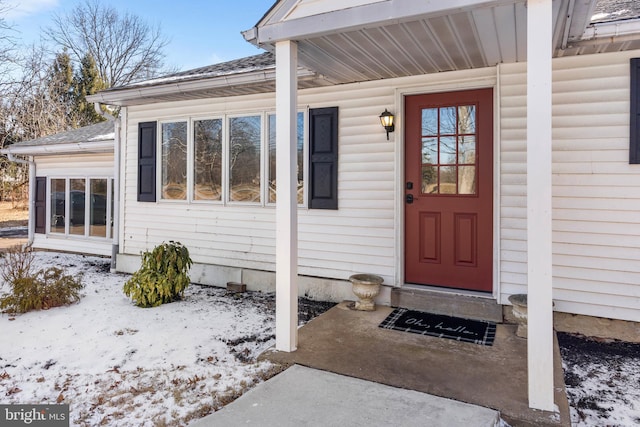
473	36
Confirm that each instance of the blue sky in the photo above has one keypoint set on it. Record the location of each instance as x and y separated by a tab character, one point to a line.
201	32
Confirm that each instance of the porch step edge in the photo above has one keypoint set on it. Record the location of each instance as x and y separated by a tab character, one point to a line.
448	304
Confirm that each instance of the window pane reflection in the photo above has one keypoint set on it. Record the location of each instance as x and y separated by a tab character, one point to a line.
467	180
430	150
244	159
207	135
449	160
272	158
58	204
429	121
447	180
77	206
98	207
174	160
467	119
447	150
467	149
429	179
448	121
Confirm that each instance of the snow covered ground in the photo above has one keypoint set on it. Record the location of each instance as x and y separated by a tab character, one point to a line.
119	365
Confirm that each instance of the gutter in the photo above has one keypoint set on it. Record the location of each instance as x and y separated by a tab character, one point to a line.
609	32
115	244
39	150
251	35
121	97
32	207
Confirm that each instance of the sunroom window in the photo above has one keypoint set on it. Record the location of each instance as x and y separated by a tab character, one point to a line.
81	207
98	208
77	207
174	161
58	205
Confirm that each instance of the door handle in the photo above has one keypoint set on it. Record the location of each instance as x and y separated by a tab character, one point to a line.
409	198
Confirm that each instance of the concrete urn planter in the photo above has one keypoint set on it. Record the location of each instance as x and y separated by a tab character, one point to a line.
519	302
366	287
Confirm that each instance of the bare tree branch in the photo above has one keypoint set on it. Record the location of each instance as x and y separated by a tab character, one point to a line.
124	47
7	47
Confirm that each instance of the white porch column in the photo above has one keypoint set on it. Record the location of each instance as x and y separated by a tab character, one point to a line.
539	260
286	194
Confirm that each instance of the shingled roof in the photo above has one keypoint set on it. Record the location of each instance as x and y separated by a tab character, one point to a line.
615	10
85	137
103	131
263	61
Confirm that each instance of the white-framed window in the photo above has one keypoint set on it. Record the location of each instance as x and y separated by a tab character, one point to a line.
302	167
228	159
208	163
80	206
245	158
173	160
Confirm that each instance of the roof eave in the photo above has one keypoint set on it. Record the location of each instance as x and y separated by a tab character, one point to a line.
89	147
612	30
127	96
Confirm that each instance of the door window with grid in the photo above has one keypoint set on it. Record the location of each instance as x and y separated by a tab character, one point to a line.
449	150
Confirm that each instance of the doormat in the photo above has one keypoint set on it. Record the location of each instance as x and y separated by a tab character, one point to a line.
436	325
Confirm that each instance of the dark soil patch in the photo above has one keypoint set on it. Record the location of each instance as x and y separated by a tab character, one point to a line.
577	347
307	310
101	266
601	379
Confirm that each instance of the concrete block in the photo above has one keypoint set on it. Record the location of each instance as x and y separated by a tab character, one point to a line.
236	287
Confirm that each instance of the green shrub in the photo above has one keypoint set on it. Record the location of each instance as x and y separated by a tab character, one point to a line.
47	288
163	276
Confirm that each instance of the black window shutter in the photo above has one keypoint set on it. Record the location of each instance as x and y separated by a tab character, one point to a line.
147	161
40	205
323	158
634	119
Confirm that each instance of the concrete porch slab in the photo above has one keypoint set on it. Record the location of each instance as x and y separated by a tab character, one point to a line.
349	342
303	396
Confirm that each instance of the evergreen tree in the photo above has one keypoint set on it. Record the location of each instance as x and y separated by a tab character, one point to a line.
61	92
87	82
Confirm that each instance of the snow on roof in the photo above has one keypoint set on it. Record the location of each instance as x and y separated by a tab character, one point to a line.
103	131
105	137
615	10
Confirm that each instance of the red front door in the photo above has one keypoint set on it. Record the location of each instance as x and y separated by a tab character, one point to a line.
449	189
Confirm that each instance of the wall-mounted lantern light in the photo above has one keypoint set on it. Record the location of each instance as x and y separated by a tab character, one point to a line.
386	119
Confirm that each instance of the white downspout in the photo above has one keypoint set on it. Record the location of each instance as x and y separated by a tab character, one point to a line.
32	182
115	246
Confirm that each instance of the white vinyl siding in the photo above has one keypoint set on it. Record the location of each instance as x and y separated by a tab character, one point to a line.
359	237
596	192
76	165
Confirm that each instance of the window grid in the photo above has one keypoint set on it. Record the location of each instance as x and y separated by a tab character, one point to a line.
449	161
252	187
80	207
